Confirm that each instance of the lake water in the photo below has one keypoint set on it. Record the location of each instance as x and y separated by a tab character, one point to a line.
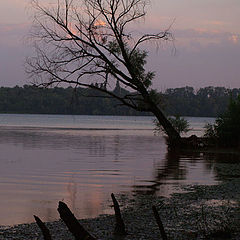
83	159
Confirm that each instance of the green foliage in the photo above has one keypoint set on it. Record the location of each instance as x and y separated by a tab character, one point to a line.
226	129
179	123
138	61
113	47
156	97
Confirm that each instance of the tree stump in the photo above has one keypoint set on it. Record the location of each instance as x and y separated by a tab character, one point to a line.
44	229
119	226
72	223
159	222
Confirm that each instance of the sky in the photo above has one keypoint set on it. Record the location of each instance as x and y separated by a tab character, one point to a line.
205	52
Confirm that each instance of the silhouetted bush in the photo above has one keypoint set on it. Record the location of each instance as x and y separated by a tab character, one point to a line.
226	129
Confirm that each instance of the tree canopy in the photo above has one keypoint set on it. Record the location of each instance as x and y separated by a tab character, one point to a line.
86	41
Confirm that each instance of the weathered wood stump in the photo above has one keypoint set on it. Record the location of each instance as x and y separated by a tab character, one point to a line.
159	223
72	223
44	229
119	226
80	233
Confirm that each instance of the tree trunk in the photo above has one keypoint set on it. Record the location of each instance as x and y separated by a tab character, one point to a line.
170	130
173	135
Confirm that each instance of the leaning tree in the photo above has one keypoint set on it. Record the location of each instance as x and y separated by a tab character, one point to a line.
80	42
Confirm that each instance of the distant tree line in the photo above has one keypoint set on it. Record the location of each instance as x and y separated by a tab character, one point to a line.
185	101
205	102
80	101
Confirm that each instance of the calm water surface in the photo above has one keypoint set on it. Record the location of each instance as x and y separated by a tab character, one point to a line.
83	159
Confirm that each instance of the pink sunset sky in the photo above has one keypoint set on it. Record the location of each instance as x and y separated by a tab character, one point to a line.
207	42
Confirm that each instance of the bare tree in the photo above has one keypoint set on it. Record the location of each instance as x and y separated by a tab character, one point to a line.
85	41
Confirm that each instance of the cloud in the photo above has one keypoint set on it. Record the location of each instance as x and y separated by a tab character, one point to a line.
13	35
12	66
13	29
202	33
202	58
199	36
196	39
198	65
13	52
235	38
216	23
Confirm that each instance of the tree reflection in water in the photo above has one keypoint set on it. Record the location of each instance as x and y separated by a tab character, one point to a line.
226	163
178	166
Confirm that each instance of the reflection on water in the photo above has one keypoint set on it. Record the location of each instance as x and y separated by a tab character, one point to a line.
185	167
40	166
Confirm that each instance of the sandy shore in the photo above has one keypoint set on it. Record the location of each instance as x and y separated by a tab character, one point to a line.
198	213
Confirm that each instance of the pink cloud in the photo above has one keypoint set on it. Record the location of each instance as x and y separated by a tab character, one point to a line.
195	39
13	34
235	38
13	28
216	23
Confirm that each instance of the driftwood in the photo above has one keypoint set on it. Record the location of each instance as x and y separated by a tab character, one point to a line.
72	223
44	229
159	223
119	226
80	233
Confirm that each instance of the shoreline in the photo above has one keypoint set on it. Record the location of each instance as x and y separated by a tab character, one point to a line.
198	212
183	216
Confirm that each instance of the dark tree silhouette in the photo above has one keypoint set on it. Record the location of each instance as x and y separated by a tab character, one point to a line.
88	43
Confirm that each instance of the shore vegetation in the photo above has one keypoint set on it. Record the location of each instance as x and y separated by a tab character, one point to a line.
225	132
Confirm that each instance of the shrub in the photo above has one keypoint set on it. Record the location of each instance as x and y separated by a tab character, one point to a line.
179	123
226	129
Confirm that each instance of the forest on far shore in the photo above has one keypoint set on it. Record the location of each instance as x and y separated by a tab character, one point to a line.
185	101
